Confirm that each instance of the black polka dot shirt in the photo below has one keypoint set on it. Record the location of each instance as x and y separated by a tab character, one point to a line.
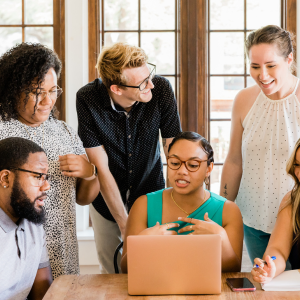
131	140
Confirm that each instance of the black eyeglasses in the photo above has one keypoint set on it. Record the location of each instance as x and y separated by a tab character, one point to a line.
144	84
37	180
191	165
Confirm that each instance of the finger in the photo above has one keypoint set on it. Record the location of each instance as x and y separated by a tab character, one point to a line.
187	228
67	156
206	218
70	174
258	279
170	232
188	220
70	167
270	262
171	225
259	271
258	261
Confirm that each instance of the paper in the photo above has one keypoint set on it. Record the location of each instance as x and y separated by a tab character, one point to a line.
286	281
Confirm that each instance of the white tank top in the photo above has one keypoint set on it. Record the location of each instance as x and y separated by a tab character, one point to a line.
271	130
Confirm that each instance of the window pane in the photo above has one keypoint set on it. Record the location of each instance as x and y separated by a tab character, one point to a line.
121	14
43	35
160	48
172	81
10	12
215	179
160	14
262	13
111	38
227	53
219	139
9	37
250	81
222	92
38	11
220	12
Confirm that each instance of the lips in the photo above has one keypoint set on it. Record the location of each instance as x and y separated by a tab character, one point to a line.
182	183
267	84
40	200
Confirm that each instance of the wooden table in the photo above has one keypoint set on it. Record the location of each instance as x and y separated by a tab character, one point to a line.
114	286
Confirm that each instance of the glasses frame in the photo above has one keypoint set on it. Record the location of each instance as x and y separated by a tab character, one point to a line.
184	162
146	79
45	94
48	176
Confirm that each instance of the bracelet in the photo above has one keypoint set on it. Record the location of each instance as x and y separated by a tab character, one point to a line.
95	173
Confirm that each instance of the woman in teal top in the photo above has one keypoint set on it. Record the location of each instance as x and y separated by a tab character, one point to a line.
186	207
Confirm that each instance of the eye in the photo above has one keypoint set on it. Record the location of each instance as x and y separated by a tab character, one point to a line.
254	67
271	66
174	163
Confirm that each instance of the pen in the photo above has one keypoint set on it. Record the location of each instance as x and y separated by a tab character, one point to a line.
264	262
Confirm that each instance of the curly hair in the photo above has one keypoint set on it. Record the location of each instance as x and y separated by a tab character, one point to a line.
19	67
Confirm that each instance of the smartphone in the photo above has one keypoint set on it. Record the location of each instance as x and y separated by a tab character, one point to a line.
240	284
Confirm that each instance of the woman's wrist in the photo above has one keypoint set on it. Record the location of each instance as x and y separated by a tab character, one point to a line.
94	175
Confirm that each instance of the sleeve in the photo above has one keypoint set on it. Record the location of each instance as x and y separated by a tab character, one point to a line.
76	141
170	122
44	261
86	122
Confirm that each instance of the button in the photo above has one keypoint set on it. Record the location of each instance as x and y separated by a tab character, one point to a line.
130	171
128	116
129	154
129	136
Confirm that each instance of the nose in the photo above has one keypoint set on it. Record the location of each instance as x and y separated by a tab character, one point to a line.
45	186
263	73
150	84
47	100
182	169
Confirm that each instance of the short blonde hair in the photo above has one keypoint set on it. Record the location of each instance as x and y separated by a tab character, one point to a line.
113	60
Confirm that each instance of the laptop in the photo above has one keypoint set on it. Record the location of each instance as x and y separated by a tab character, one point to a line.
174	264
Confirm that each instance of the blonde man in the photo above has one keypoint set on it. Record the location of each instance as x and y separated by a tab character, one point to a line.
120	115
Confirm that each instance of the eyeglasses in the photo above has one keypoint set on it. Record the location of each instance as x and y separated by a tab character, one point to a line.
191	165
144	84
41	95
37	180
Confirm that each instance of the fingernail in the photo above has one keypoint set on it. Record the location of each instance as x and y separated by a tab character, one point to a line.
179	218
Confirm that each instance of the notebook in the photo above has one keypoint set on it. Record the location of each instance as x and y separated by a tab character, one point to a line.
174	264
286	281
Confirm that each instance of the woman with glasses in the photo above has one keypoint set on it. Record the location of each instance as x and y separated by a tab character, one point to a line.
187	207
29	90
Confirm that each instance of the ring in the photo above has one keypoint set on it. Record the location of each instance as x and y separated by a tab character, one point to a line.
191	227
191	220
168	227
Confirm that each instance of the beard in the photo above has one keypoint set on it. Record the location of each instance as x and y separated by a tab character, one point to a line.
23	207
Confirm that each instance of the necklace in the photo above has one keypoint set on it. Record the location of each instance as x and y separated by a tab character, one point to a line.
187	214
30	134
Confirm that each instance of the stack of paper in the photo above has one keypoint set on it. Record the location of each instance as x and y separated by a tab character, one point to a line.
286	281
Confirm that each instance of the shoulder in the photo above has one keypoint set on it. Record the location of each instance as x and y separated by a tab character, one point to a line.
285	204
139	206
91	88
247	95
162	86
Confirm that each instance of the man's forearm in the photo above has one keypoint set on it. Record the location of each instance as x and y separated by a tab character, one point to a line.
113	199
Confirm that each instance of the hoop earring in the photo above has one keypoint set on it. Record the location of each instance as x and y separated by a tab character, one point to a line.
206	181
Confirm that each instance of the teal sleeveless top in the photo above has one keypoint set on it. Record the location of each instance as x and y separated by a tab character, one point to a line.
213	205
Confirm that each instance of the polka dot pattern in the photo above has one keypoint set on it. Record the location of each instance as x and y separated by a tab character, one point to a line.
131	140
271	130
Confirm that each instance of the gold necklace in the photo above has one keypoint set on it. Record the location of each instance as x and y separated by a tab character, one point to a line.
30	134
187	214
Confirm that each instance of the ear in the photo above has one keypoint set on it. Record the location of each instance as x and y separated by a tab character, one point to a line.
290	59
209	169
5	179
116	90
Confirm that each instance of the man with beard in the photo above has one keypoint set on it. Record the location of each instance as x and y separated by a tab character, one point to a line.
24	263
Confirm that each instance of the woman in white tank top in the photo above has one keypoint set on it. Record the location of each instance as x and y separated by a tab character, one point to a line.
265	128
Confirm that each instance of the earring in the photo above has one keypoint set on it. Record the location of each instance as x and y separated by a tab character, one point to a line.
4	186
206	180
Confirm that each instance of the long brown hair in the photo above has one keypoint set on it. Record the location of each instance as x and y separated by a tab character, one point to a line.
295	193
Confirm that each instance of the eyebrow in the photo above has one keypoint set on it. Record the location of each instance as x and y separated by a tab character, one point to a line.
268	62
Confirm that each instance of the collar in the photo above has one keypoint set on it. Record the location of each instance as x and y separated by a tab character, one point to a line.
8	225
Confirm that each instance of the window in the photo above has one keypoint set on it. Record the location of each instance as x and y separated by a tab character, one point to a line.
36	21
228	68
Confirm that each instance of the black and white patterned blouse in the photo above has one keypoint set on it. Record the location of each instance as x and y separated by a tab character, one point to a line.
57	138
131	140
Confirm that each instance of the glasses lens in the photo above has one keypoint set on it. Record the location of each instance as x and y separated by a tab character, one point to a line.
144	84
193	165
174	163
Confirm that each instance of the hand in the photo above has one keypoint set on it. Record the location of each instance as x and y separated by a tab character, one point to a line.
73	165
201	227
160	229
265	272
